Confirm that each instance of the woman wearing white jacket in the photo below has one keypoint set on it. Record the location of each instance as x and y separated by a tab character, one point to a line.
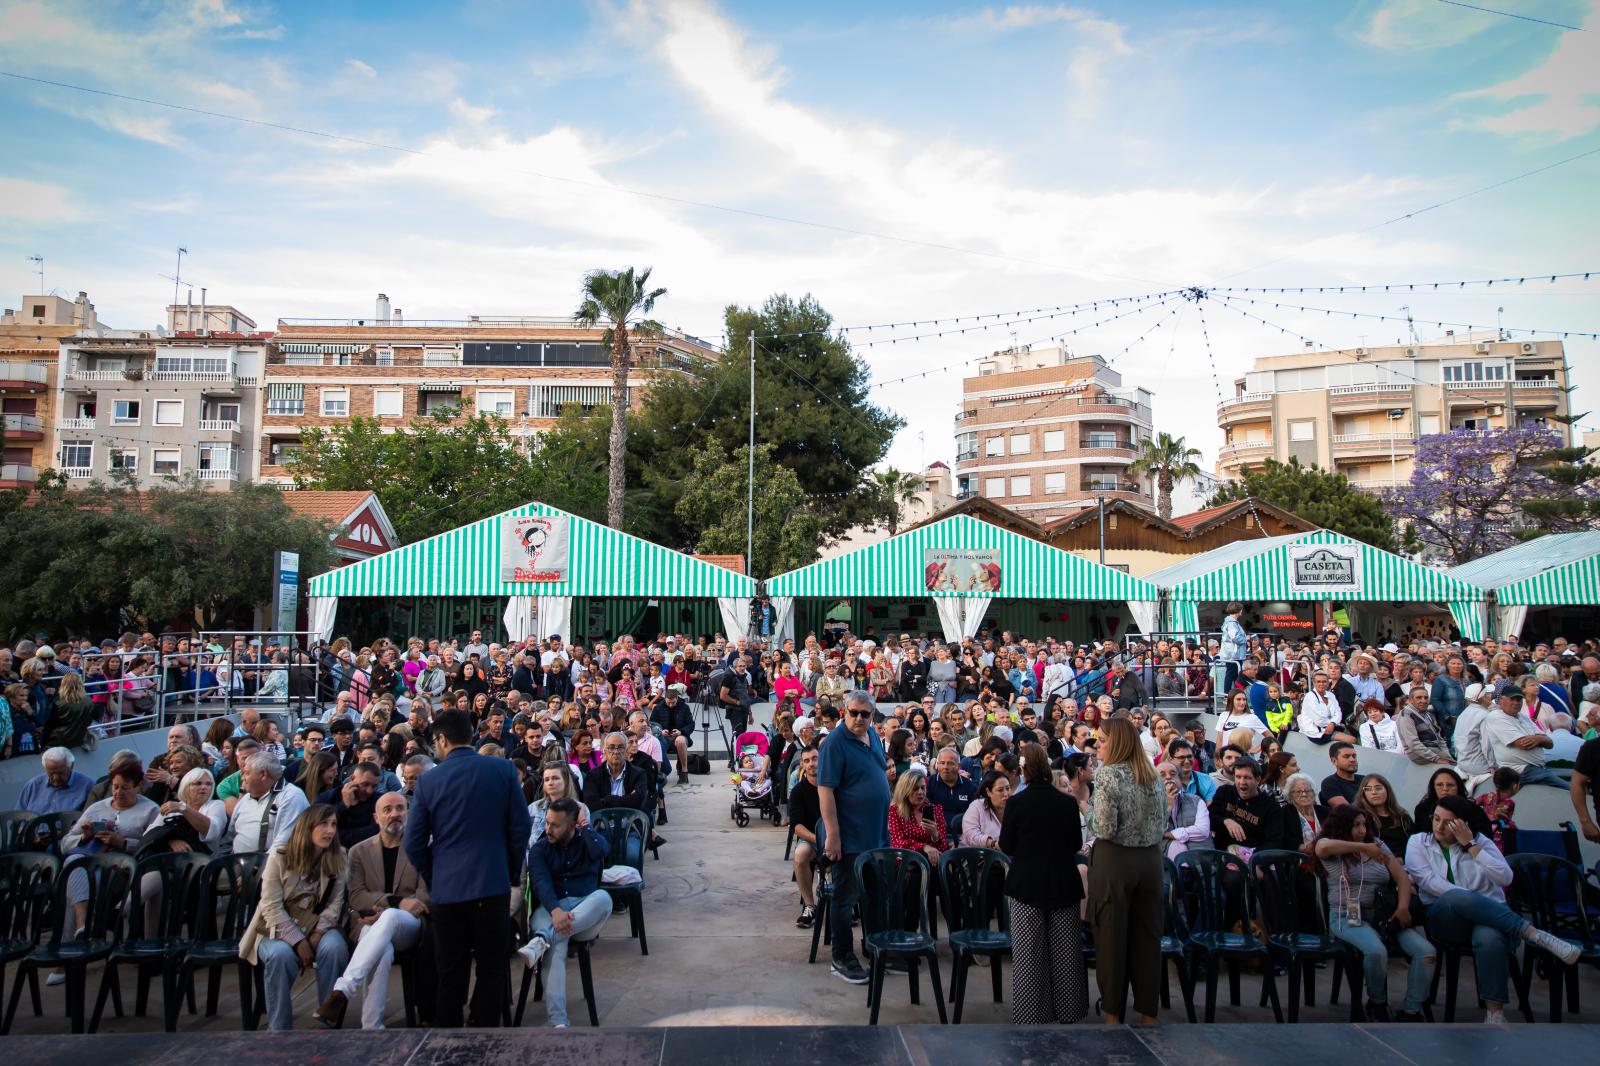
1461	878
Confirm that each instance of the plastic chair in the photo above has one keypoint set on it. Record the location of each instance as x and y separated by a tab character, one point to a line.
1561	842
230	888
894	888
1278	883
973	882
1200	877
107	879
534	978
1548	891
161	948
12	827
823	888
1175	940
625	832
27	883
44	832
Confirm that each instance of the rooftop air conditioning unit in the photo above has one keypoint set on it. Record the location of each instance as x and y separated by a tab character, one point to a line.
1362	353
1529	348
1411	353
1483	347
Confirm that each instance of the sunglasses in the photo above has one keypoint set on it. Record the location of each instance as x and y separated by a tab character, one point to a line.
858	714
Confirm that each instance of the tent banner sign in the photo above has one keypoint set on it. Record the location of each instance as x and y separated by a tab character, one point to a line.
961	570
1325	568
534	548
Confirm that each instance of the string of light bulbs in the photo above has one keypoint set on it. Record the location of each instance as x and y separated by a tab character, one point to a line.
1406	286
1440	323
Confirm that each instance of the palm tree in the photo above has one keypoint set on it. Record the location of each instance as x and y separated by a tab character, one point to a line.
894	489
617	297
1169	460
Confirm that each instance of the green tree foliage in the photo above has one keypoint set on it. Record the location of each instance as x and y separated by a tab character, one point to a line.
1324	499
1574	504
1170	460
443	471
787	528
895	490
618	298
96	560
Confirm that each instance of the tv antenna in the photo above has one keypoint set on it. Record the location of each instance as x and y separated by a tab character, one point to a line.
38	261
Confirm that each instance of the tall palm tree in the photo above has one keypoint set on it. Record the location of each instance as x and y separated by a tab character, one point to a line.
895	489
618	298
1169	460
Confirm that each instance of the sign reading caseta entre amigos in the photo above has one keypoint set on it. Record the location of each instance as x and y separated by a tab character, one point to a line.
961	570
1325	568
533	548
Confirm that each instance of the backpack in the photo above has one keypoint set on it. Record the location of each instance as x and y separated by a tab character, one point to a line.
699	764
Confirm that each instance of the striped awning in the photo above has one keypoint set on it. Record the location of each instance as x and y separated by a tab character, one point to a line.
1258	570
1030	569
1553	570
466	562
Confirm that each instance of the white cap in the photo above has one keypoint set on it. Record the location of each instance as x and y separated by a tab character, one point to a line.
1475	690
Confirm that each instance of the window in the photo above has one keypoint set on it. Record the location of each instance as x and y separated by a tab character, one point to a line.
386	357
1020	443
432	402
1101	438
994	446
386	403
1022	486
286	399
1303	430
1427	424
197	364
169	413
1055	440
38	310
216	457
1475	371
1102	483
335	403
994	488
125	459
84	409
966	446
496	403
125	412
283	451
1055	483
77	454
226	412
165	462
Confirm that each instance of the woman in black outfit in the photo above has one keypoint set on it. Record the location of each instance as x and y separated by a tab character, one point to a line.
1041	835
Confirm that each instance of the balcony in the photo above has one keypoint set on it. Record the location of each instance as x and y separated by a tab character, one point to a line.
218	475
1356	397
1102	443
1475	386
27	376
962	416
219	425
86	380
24	427
17	476
1244	407
966	455
76	424
1246	447
1377	484
1537	392
77	472
1351	443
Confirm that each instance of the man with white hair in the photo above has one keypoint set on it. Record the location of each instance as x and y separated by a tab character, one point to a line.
267	809
59	788
1564	743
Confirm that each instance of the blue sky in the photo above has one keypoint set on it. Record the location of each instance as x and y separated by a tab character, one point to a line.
1087	151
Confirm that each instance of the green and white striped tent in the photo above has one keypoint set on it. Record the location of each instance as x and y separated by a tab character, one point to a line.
896	569
1555	570
1260	570
466	562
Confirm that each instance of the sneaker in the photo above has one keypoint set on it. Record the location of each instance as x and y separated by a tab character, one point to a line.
1494	1017
1564	950
807	916
57	977
683	777
533	951
850	970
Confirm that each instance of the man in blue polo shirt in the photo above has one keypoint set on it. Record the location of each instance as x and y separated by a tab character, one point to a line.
853	792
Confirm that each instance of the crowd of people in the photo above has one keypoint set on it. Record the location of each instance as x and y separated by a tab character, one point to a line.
440	797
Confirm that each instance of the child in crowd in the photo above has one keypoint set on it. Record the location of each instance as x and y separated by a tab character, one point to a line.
1500	807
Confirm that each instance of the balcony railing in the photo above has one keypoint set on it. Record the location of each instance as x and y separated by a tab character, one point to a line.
1100	444
98	375
18	472
219	475
219	425
1243	399
229	375
1462	386
1372	438
78	471
76	423
1536	383
27	373
965	456
24	424
1246	447
1089	485
962	416
1362	390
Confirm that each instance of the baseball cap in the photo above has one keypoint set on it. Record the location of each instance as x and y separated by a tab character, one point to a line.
1391	647
1475	690
1508	688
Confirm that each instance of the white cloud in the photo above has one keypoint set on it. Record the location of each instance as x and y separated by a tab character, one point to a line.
469	113
1015	17
366	70
1421	25
36	203
1560	97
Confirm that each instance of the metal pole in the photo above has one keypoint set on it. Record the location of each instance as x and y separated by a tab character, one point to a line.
750	513
1102	502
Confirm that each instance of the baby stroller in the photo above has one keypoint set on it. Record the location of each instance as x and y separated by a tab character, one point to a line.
750	791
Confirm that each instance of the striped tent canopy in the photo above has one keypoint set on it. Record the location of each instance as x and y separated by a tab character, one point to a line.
1257	570
1030	569
466	562
1557	569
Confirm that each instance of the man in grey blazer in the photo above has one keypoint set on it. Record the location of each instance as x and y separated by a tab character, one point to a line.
388	904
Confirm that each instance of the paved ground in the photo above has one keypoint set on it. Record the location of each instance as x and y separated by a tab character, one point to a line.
724	951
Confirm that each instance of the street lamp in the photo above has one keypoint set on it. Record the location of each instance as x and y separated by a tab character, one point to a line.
1395	415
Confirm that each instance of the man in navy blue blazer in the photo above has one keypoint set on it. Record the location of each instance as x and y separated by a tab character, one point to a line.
468	837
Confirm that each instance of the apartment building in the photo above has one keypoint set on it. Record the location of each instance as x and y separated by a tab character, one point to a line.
323	372
30	339
162	403
1045	432
1359	411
